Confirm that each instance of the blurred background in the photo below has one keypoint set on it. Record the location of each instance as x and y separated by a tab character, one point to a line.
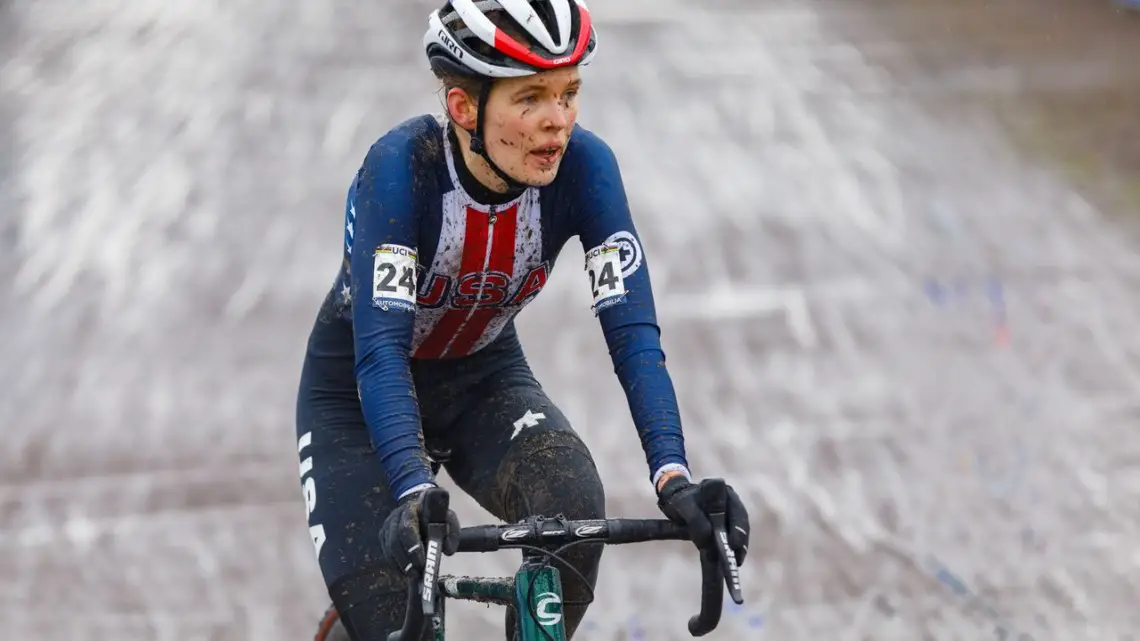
893	245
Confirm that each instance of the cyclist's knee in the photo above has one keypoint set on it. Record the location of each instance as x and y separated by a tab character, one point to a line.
550	472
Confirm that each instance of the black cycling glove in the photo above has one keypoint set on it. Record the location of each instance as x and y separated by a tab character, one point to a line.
680	500
404	534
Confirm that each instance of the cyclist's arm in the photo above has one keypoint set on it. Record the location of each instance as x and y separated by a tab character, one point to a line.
628	321
384	309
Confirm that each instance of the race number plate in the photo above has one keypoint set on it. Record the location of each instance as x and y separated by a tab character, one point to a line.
603	266
394	278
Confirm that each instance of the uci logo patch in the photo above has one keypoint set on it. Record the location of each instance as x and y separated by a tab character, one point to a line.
629	251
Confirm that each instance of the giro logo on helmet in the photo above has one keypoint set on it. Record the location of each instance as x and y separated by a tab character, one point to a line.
454	48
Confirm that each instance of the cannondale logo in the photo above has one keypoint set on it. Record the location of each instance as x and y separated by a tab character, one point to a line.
547	600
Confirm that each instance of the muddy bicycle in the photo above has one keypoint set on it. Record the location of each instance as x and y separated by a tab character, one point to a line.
535	591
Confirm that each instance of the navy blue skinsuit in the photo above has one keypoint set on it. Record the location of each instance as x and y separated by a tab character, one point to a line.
414	350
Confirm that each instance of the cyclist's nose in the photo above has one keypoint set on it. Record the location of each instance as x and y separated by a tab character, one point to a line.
557	117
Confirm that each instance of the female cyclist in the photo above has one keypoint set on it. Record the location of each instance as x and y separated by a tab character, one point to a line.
452	226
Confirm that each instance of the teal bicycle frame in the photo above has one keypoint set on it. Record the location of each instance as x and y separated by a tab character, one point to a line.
535	593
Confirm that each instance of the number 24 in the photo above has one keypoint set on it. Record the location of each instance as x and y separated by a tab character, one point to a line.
388	270
606	279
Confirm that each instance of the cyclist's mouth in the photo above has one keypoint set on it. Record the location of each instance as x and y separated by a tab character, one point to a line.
547	156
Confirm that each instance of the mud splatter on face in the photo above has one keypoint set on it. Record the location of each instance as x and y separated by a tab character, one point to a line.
528	126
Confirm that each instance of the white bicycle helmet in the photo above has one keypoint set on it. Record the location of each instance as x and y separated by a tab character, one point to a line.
462	39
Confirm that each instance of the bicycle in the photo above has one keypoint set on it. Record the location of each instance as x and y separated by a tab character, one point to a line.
535	591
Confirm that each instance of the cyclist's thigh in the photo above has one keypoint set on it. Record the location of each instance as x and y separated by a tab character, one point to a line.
517	455
345	490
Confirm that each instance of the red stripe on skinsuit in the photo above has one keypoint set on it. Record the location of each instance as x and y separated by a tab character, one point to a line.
502	260
474	253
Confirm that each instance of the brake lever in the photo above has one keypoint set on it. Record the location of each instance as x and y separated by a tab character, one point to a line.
718	562
726	561
433	518
714	496
430	575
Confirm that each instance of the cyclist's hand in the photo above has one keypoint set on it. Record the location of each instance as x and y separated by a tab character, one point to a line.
404	534
679	499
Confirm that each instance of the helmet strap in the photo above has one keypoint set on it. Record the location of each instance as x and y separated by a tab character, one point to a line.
480	148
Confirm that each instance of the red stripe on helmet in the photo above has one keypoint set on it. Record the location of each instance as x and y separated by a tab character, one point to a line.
514	49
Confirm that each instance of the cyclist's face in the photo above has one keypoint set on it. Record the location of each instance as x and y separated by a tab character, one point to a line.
528	123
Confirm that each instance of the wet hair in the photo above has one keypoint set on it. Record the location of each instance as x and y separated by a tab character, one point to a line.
470	85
